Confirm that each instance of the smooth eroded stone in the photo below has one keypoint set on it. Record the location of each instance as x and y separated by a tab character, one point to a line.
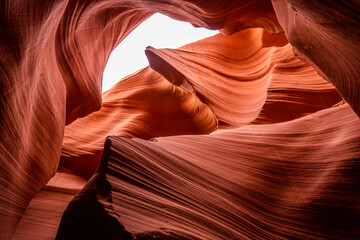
296	179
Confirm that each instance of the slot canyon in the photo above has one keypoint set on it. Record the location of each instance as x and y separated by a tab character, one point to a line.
252	133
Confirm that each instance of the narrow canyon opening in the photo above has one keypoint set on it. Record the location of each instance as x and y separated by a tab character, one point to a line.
158	31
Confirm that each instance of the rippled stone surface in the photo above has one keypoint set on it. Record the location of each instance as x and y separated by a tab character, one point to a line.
289	180
245	80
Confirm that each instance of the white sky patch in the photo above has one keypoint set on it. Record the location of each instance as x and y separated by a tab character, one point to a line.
158	31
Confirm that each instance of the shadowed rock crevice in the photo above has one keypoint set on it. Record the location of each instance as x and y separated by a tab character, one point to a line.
90	214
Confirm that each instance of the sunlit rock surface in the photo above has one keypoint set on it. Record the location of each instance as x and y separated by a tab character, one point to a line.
142	105
230	74
289	180
235	75
207	91
293	177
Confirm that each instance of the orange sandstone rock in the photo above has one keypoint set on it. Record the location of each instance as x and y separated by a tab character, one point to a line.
144	105
327	35
295	179
52	56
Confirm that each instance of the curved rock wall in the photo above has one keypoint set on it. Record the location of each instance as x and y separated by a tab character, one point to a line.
296	179
142	105
53	55
327	35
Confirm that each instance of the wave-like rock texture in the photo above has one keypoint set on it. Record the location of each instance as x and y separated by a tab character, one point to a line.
295	90
327	35
144	105
236	75
53	54
229	74
297	179
52	58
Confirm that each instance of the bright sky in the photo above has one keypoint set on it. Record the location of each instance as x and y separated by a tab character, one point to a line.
159	31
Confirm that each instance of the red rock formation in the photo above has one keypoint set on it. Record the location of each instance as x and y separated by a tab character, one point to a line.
295	90
327	35
52	58
235	89
230	74
279	181
42	216
141	105
146	105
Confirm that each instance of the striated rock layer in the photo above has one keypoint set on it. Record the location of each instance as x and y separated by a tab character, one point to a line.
42	217
52	56
236	75
220	81
327	35
296	179
295	90
142	105
230	74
